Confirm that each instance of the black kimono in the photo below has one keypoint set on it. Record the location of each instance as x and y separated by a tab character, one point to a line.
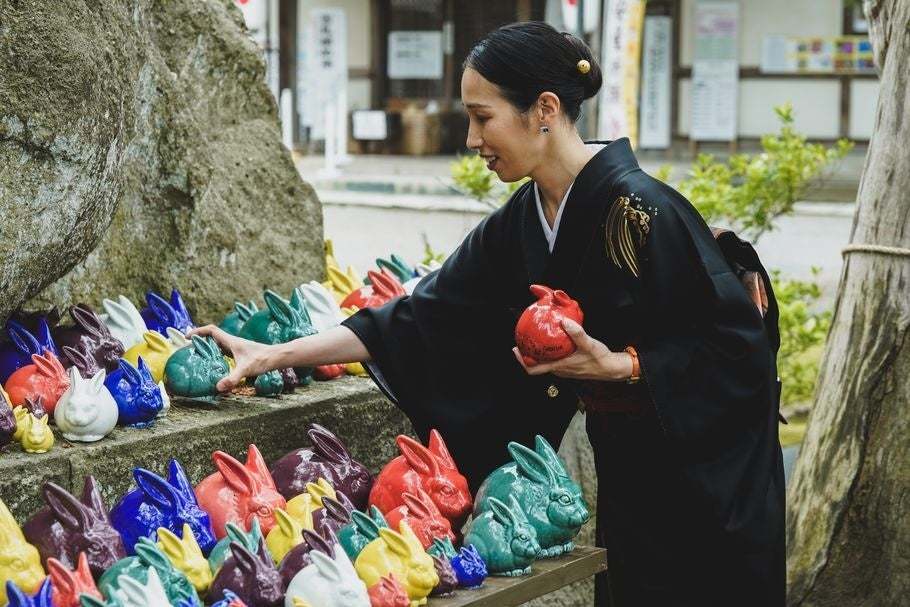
691	498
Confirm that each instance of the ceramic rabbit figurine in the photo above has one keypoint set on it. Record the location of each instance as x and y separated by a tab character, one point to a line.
159	314
328	458
233	322
546	451
304	505
184	320
334	514
554	508
300	556
69	585
504	538
397	267
186	555
155	349
431	469
539	334
124	321
269	384
229	600
355	536
74	358
67	526
286	534
252	540
36	436
133	593
20	562
137	396
86	412
401	554
278	323
252	576
383	287
388	592
448	579
89	336
239	493
194	371
422	516
45	378
22	345
149	558
324	310
177	339
8	424
17	598
328	582
157	503
469	567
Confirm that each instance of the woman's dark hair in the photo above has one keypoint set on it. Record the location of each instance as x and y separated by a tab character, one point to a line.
526	59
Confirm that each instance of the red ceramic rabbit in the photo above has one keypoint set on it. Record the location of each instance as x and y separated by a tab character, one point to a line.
423	517
238	493
45	378
68	585
539	334
383	288
431	469
388	592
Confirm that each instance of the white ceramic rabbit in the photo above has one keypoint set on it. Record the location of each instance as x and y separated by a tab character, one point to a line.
132	593
322	306
124	321
165	400
86	412
422	270
177	338
328	582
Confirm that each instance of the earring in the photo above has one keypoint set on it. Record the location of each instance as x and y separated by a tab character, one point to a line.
544	130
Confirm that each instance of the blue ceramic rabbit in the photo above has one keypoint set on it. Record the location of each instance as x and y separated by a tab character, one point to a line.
230	600
195	370
158	314
137	395
157	502
148	555
18	352
469	566
551	501
184	320
17	598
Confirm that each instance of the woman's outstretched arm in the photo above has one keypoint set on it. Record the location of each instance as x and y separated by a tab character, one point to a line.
336	345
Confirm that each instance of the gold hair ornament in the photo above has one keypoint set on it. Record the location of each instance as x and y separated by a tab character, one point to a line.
584	66
627	230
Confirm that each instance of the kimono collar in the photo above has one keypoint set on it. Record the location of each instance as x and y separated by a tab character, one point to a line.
584	211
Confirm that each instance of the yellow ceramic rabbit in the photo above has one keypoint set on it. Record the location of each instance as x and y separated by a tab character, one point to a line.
306	503
341	284
186	555
20	562
37	436
402	555
299	602
300	509
21	414
285	535
353	368
154	349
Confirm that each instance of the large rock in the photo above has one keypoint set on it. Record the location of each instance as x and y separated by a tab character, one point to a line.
140	148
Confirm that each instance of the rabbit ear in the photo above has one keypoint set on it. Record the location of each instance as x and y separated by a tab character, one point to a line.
438	448
516	509
327	444
246	562
200	346
378	517
410	537
532	465
155	341
156	489
365	525
326	566
87	319
418	456
235	533
76	357
176	337
16	597
334	509
130	591
66	508
75	377
97	382
561	298
161	308
540	291
320	490
48	364
130	373
298	302
178	479
144	373
87	600
62	578
395	542
24	341
289	527
503	515
545	450
415	505
83	571
316	542
151	555
171	544
91	497
235	475
280	309
255	463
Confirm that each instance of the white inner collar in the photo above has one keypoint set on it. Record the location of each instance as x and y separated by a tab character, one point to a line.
549	232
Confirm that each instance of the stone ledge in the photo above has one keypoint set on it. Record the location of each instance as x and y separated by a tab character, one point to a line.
352	407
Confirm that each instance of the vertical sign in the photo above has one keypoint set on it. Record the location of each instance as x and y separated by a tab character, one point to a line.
654	121
620	55
715	72
327	69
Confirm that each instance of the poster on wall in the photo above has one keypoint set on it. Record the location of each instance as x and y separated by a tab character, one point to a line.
654	118
620	55
828	55
715	72
415	55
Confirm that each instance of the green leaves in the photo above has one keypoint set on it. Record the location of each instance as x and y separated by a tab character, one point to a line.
472	178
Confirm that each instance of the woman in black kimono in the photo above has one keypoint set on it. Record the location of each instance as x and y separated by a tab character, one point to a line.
675	364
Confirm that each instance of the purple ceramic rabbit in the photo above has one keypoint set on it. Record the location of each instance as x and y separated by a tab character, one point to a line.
328	458
22	344
448	581
71	357
161	503
253	577
334	514
299	556
89	335
67	527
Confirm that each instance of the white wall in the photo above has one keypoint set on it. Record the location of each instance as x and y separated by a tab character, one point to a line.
863	104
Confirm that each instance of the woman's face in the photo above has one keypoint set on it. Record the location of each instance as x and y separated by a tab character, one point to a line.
504	138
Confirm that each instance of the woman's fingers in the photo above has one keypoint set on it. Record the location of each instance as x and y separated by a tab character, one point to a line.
576	333
222	338
228	383
538	369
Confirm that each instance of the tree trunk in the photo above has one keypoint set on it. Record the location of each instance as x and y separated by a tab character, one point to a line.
849	518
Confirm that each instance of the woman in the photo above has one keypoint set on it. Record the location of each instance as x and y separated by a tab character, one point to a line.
674	364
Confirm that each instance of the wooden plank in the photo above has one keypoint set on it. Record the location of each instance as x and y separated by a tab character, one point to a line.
546	576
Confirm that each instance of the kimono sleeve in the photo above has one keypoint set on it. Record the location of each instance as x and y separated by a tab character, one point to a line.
705	356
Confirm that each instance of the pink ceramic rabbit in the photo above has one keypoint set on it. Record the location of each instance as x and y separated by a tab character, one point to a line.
45	378
423	516
388	592
239	493
430	469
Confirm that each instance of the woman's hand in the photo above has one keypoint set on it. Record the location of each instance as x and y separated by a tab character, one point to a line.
250	358
591	359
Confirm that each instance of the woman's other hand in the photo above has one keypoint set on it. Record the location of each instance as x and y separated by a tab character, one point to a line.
592	359
250	358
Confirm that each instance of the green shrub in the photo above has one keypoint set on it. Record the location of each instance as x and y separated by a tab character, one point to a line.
472	178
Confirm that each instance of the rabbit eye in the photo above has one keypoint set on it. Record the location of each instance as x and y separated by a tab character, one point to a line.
447	490
264	511
565	500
